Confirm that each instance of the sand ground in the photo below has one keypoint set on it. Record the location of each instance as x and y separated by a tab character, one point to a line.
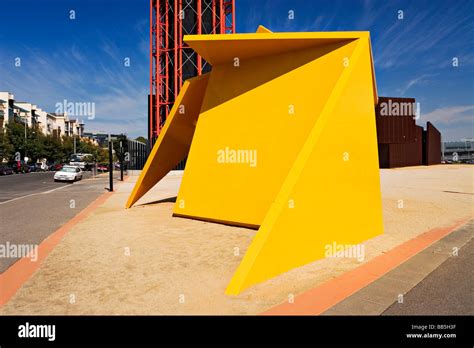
144	261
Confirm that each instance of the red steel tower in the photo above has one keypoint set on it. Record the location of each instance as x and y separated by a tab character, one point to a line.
172	61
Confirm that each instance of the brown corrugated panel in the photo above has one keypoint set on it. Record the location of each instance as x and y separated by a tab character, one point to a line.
395	129
419	148
400	140
403	155
384	160
433	145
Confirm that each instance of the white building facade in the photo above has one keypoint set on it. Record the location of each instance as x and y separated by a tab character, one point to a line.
6	107
55	124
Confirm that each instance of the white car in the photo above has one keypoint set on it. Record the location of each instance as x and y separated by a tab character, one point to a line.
68	173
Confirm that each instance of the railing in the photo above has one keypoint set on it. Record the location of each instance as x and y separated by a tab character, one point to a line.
138	154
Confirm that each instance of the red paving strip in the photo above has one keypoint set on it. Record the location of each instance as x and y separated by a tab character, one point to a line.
14	277
323	297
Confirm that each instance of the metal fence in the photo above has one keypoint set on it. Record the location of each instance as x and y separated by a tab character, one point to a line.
138	153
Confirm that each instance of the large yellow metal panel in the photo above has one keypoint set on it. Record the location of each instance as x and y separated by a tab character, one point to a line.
173	144
262	30
264	43
332	193
266	107
223	48
300	109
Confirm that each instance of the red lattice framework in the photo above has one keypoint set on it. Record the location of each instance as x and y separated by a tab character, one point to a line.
172	61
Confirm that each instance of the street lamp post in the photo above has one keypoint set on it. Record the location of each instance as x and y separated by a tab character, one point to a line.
121	162
25	125
111	167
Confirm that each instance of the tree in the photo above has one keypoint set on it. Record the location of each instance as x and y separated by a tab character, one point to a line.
16	135
67	146
97	154
120	151
35	144
54	149
142	139
6	148
38	145
31	145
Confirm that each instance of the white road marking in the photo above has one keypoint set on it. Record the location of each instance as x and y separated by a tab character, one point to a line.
81	182
34	194
55	189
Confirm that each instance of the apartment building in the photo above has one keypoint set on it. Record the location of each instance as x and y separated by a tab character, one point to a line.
56	124
26	112
74	127
6	108
41	119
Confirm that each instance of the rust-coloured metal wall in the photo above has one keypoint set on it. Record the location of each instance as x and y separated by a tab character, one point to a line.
394	128
409	153
401	142
402	154
432	145
399	138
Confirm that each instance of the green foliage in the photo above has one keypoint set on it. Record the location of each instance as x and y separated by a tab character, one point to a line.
120	151
98	154
142	139
16	136
38	145
7	150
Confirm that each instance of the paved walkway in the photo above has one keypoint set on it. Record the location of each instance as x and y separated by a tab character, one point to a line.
144	261
447	288
35	206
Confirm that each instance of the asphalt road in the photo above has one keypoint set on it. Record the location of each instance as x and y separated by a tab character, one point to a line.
18	185
32	206
448	290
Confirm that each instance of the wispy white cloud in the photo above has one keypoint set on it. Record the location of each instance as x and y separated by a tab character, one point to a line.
454	122
85	75
416	38
372	11
415	81
451	115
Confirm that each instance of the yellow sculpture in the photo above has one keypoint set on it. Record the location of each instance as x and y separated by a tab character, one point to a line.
280	136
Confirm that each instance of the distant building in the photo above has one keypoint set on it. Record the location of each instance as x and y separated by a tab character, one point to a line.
74	127
137	150
101	138
56	124
458	151
42	120
401	142
6	108
26	112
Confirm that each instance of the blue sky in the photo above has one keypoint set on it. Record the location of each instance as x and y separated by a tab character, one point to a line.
83	59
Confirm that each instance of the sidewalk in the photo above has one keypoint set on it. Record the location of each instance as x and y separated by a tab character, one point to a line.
448	290
144	261
391	289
